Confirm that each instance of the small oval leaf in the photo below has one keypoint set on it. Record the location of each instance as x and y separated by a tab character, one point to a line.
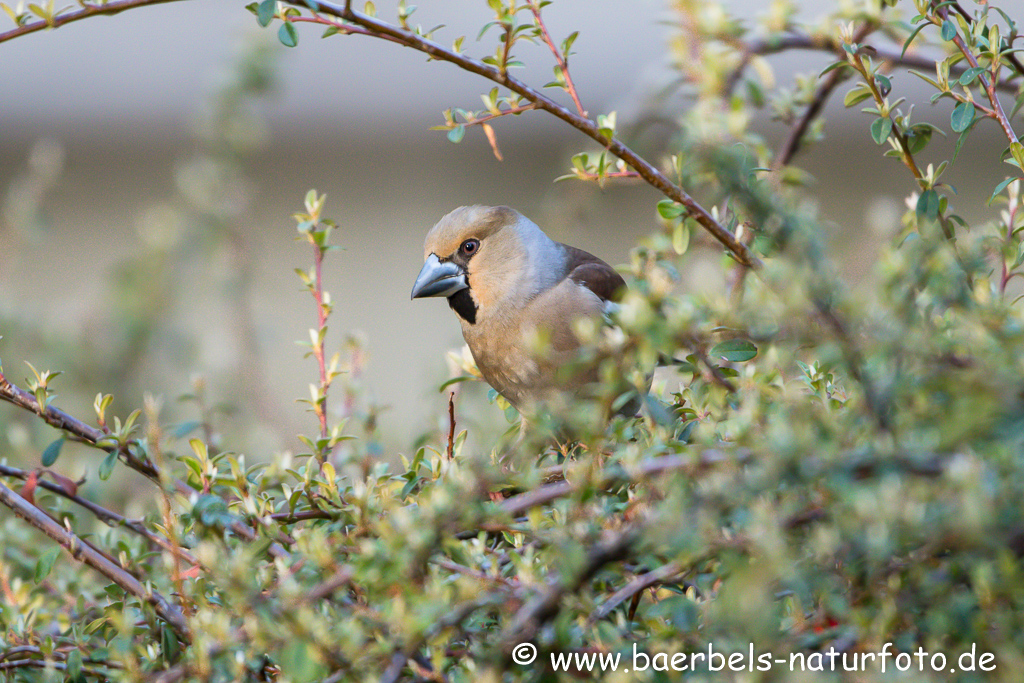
45	564
51	453
948	30
287	34
880	129
734	350
962	116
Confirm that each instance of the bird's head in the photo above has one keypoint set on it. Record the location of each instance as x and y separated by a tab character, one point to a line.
479	257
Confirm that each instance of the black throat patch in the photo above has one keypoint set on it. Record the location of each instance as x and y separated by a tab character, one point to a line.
462	303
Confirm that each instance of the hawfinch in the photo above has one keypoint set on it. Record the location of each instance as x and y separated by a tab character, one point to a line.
515	289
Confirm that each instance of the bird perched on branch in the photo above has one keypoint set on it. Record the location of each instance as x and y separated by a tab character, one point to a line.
518	295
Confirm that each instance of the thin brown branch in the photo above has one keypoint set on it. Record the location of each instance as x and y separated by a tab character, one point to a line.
84	553
656	576
445	563
892	56
342	577
293	517
80	431
519	504
544	605
43	664
89	10
714	372
76	429
796	134
106	516
647	171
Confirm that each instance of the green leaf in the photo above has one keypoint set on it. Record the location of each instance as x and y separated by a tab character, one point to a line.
51	453
455	380
962	116
681	238
734	350
910	39
265	12
185	427
1017	151
107	466
928	204
457	133
287	34
74	663
1000	187
45	564
948	30
880	129
832	67
669	209
969	76
858	94
960	140
884	84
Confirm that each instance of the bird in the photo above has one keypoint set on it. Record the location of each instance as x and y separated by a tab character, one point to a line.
514	289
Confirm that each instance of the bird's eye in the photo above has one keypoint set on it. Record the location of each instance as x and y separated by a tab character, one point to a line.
469	247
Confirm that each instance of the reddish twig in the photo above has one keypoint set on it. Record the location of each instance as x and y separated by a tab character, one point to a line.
988	82
506	112
318	347
563	60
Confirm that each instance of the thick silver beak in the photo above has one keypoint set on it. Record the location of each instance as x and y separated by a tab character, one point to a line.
438	278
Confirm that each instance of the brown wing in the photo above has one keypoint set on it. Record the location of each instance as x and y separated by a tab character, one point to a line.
586	269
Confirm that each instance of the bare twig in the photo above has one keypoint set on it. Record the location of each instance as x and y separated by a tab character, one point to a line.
43	664
445	563
84	553
106	516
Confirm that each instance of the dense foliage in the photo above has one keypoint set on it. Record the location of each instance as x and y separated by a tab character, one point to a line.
837	476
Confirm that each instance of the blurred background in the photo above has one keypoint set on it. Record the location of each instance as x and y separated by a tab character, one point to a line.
150	163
